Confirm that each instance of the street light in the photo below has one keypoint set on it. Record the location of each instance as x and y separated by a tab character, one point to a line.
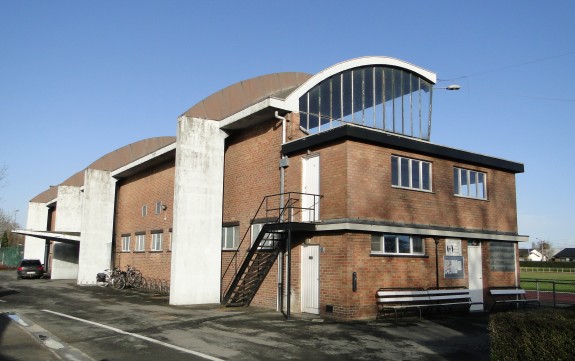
449	87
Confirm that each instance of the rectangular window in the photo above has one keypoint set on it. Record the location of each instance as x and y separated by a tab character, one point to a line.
397	244
158	207
268	241
230	237
125	243
157	241
469	183
140	242
144	210
410	173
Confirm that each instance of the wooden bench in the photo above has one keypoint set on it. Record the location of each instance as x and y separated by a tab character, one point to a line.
403	300
511	296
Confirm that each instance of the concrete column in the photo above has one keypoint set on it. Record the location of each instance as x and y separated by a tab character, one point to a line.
198	196
68	219
97	225
37	220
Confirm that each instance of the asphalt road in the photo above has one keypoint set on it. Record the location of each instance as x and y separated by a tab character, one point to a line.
81	323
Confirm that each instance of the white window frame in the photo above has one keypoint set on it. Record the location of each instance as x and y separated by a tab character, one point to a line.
158	209
459	186
157	241
255	231
410	165
140	243
233	244
126	243
379	240
144	210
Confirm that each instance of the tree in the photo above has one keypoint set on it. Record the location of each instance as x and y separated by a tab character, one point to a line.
543	247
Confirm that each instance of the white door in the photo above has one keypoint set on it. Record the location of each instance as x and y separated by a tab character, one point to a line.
475	271
310	185
310	279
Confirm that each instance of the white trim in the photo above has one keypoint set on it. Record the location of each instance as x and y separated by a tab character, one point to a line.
263	104
144	159
348	226
292	101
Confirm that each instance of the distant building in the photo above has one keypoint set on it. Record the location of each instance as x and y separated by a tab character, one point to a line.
297	192
565	255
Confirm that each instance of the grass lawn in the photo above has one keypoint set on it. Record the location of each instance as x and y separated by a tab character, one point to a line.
547	286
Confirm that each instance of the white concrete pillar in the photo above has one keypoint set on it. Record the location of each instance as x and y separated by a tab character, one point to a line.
97	225
37	220
68	219
198	196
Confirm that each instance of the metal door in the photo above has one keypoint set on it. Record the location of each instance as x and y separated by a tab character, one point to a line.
475	272
310	279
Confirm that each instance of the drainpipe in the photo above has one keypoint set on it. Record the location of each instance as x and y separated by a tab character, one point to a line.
283	164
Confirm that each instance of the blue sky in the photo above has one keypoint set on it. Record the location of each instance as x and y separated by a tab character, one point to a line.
79	79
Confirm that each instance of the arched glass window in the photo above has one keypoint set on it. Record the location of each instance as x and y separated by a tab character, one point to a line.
382	97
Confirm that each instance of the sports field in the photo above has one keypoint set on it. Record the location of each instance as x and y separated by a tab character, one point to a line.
564	282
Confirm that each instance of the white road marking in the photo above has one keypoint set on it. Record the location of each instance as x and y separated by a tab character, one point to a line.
208	357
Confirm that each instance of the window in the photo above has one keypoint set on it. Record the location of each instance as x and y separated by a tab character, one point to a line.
144	210
268	241
469	183
125	243
140	242
397	244
410	173
381	97
158	207
230	237
157	241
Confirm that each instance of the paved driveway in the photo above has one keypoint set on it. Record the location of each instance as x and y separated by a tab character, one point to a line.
93	323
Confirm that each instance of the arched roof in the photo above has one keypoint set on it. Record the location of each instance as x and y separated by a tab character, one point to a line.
110	162
245	93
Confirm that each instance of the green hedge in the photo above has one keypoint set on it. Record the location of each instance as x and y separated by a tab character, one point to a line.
547	264
535	335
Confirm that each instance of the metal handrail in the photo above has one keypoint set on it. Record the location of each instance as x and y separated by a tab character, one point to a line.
288	206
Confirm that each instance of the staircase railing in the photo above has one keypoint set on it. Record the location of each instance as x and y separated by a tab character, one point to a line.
281	207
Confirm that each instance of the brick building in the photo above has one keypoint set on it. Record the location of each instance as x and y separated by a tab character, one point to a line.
304	193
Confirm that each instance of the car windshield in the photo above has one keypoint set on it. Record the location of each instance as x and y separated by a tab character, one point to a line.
31	262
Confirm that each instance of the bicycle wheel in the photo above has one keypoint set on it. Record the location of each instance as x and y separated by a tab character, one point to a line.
137	280
119	283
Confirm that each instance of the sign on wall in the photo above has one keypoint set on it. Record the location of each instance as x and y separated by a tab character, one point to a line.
453	247
453	267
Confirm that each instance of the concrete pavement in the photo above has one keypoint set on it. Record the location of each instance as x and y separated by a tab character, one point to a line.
93	323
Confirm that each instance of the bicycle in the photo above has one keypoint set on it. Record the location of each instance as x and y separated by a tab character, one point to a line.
133	277
114	278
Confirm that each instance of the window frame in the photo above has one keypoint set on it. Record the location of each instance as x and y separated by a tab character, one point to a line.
126	242
157	239
380	240
457	183
144	210
235	235
398	173
266	244
140	243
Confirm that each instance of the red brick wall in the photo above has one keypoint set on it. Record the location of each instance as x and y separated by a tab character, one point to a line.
251	172
145	188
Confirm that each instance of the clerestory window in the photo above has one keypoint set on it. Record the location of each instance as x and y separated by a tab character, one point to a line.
382	97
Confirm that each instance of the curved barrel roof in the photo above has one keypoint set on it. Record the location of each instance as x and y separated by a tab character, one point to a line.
110	162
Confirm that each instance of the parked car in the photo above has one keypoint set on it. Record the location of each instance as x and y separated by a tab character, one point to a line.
30	268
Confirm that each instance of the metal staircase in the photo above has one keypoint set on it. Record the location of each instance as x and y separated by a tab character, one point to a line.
273	239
